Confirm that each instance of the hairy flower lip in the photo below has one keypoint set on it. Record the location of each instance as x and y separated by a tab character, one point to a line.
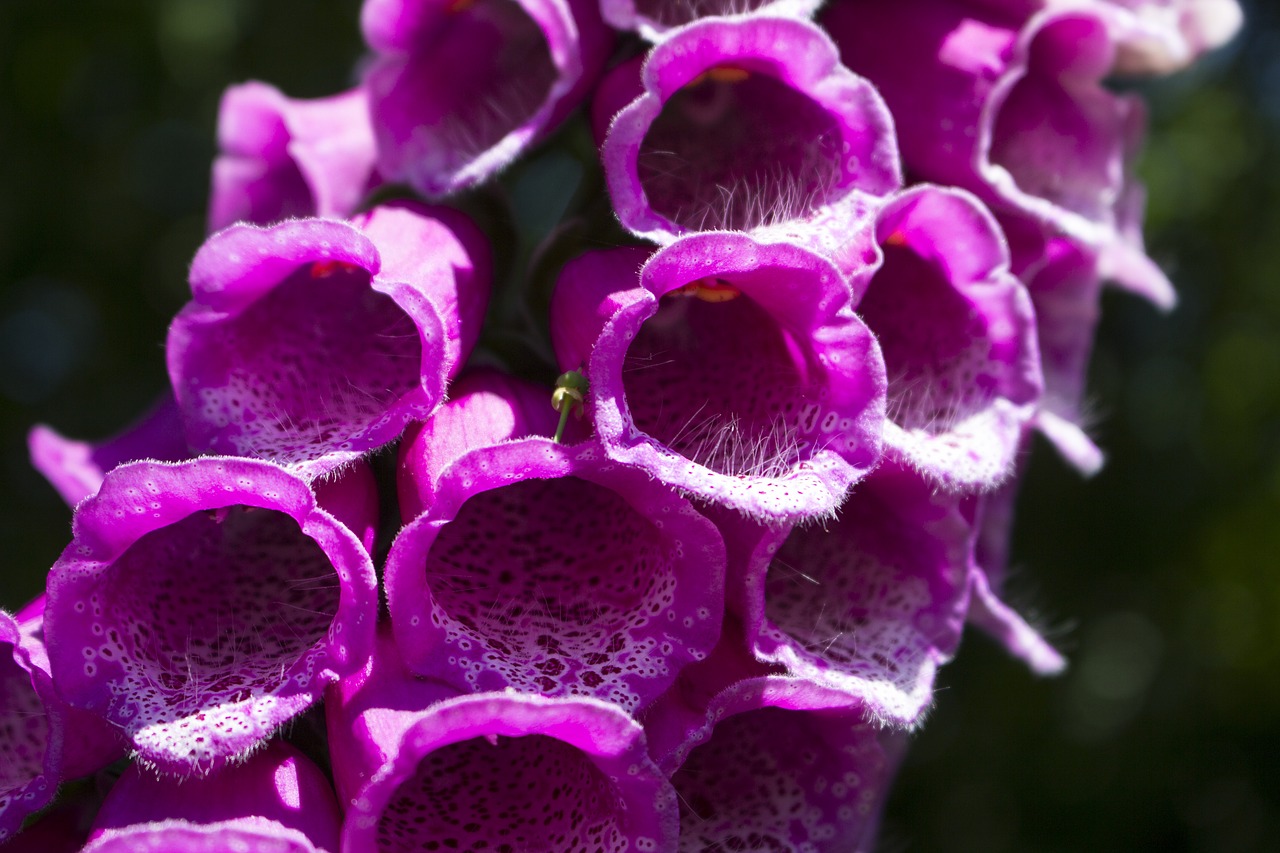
143	498
809	64
654	21
247	357
598	313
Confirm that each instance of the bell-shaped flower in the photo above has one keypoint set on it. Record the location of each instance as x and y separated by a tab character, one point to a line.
76	468
31	732
957	331
743	122
314	341
425	768
770	761
1167	35
732	369
280	158
276	801
460	88
655	19
1016	113
551	569
202	604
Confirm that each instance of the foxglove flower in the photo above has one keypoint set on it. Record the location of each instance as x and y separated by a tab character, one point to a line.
314	341
1168	35
31	732
423	766
769	761
1015	113
460	89
202	604
277	801
280	158
743	122
731	369
957	331
549	568
76	468
654	19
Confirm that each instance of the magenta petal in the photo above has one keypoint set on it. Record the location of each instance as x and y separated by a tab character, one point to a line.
550	569
314	341
276	800
733	370
460	90
30	732
281	157
872	603
655	19
76	468
958	334
745	122
492	769
201	605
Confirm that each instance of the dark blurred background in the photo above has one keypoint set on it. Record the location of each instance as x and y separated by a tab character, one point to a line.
1159	576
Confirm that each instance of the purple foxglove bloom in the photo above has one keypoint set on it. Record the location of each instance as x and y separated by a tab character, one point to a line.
870	604
654	19
425	769
76	468
276	801
279	157
744	122
314	341
1015	113
461	88
551	569
31	732
731	369
202	604
958	335
769	762
1167	34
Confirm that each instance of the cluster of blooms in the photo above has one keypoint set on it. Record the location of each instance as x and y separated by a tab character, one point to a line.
694	596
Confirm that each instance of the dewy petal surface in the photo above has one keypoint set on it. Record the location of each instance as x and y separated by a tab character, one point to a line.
201	605
733	370
745	122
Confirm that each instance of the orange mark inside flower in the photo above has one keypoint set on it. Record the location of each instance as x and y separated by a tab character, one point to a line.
897	238
720	74
459	5
709	290
324	269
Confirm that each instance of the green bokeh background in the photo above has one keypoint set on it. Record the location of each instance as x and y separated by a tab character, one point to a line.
1158	577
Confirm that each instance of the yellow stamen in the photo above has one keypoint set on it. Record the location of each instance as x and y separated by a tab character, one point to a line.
459	5
709	290
324	269
720	74
897	238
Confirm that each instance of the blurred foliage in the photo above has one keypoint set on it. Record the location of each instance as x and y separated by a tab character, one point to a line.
1159	576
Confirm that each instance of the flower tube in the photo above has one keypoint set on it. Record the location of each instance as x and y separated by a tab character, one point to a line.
460	89
957	331
1015	113
425	768
769	761
744	122
280	157
276	801
732	369
202	604
551	569
314	341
